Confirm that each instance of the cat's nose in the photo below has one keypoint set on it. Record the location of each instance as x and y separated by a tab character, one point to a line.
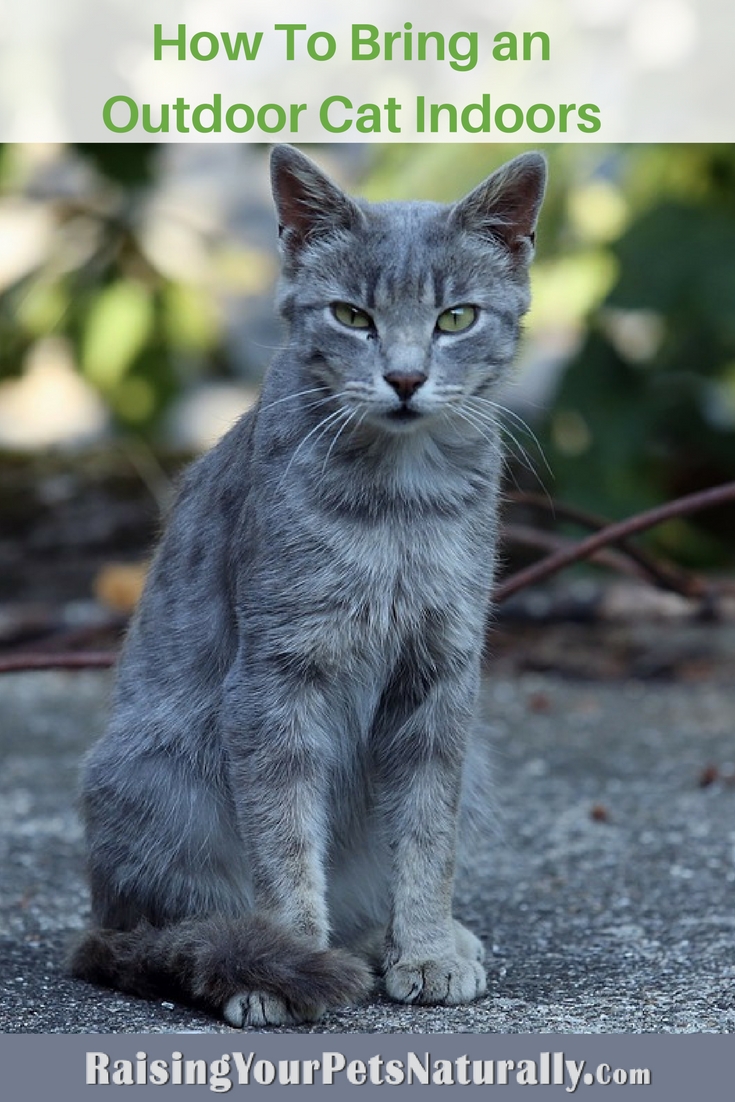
405	384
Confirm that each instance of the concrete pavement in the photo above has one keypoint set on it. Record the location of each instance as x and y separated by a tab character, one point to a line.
605	894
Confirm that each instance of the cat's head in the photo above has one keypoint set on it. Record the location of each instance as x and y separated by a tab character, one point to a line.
405	311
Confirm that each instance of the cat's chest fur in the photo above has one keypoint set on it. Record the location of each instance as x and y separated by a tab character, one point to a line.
362	561
384	581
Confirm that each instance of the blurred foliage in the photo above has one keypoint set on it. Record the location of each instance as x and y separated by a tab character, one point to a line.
645	411
137	333
633	324
637	260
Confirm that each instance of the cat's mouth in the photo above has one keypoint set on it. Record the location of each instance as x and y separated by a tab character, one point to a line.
403	413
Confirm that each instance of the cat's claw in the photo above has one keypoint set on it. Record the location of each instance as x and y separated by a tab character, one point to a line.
257	1008
448	982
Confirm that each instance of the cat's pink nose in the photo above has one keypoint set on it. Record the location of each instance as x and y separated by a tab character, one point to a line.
405	385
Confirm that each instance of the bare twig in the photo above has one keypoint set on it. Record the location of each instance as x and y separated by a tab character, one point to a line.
613	533
524	535
64	660
664	574
561	557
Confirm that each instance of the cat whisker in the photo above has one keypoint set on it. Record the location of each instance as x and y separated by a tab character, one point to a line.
358	391
362	417
523	424
269	347
337	435
330	397
475	422
324	425
335	396
293	397
484	420
520	451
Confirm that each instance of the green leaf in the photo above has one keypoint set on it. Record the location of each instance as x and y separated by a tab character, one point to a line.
118	325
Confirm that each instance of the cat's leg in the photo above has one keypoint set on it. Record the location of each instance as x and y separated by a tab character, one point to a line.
172	900
370	945
425	961
163	843
279	777
428	960
278	781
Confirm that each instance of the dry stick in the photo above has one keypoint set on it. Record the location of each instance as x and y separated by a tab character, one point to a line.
64	660
663	574
613	533
524	535
539	571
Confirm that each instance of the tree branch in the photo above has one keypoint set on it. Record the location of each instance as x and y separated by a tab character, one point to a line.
663	574
559	559
63	660
613	533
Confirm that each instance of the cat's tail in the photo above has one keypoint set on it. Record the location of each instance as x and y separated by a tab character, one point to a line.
249	971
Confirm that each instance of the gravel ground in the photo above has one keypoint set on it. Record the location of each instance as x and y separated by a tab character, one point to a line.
605	895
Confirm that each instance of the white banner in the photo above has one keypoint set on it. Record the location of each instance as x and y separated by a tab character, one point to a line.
383	70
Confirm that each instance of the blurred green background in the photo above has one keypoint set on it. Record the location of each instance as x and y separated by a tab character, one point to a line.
135	288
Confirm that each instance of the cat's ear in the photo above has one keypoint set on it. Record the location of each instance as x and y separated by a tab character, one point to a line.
308	203
506	205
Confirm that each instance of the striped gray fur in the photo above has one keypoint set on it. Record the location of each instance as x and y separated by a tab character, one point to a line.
291	742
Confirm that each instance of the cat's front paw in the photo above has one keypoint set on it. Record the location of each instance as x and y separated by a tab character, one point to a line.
258	1008
448	981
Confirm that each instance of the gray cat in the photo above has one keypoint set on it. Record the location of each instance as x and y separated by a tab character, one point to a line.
276	799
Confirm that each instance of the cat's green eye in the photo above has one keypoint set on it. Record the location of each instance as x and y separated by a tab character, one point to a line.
456	319
351	316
